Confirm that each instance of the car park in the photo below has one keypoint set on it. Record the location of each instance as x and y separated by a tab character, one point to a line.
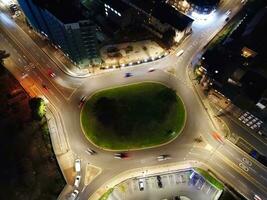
246	161
163	157
77	180
141	184
73	195
242	166
77	165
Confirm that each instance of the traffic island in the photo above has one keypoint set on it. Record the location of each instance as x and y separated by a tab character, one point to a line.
135	116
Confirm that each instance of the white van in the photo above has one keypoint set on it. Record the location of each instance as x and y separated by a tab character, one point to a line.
77	165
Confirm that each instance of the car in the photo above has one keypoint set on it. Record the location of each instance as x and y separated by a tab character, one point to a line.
51	73
179	53
256	197
254	126
159	182
90	151
250	117
81	102
141	184
151	69
227	19
246	161
128	74
77	165
77	181
73	195
18	13
45	87
121	155
254	120
228	12
163	157
244	167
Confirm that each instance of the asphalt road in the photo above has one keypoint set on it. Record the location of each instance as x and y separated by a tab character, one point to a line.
64	93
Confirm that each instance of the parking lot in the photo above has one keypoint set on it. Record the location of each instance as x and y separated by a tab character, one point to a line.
172	184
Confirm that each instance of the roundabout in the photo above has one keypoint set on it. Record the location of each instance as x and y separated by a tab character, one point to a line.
136	116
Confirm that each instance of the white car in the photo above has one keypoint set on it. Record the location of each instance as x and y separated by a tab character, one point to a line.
256	197
179	53
141	184
77	165
77	181
163	157
74	195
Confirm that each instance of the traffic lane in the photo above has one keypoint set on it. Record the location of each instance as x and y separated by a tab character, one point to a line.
236	180
228	172
25	42
254	168
252	137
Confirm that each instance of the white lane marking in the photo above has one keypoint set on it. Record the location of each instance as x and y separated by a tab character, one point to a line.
230	174
229	152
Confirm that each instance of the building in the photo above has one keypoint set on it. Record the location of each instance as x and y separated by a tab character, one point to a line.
203	6
197	6
72	32
158	17
238	68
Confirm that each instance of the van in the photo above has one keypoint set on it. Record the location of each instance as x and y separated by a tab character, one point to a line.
77	165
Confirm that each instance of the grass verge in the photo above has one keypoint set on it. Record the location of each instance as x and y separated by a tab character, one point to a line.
209	178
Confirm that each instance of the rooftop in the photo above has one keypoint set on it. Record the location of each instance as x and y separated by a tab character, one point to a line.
158	9
66	11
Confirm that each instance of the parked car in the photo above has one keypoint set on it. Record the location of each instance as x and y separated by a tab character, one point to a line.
141	184
73	195
77	165
77	180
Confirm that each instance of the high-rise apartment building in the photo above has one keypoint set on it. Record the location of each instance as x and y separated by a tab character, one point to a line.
65	26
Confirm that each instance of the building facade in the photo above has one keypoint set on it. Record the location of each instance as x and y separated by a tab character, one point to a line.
74	35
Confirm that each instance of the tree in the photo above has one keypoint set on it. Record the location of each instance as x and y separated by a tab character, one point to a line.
38	108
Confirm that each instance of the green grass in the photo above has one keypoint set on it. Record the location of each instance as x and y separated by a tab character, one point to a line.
106	194
134	116
213	181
